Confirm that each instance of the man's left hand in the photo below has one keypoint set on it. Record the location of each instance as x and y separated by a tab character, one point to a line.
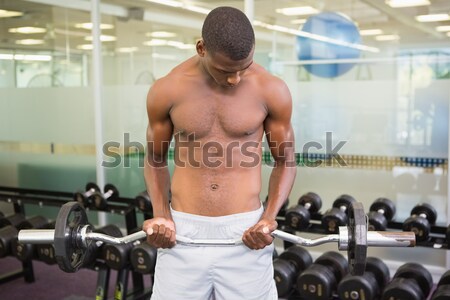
260	235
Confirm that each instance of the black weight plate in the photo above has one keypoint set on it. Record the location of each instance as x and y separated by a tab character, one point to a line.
91	185
386	205
143	258
357	230
442	293
284	274
420	226
358	287
117	256
379	269
12	220
445	279
46	253
297	217
23	252
36	222
313	199
110	187
417	272
336	263
99	201
69	251
427	209
343	200
332	219
316	283
377	221
402	289
7	235
298	256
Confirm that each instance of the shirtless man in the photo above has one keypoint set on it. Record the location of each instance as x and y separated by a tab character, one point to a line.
217	105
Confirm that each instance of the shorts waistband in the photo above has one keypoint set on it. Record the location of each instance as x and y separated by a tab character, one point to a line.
221	220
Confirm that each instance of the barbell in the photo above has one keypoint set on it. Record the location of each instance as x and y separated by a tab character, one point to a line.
73	236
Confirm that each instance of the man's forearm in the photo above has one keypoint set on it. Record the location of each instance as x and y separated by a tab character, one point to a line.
280	185
157	180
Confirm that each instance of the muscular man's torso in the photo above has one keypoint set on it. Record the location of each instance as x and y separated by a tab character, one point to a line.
218	133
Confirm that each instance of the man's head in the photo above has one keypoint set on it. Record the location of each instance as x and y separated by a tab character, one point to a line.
227	30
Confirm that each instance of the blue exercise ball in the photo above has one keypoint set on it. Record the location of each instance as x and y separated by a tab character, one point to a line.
334	26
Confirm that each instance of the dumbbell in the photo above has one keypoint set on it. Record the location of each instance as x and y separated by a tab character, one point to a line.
447	236
7	235
422	217
117	256
100	200
367	286
411	281
298	217
442	291
46	252
143	258
83	197
287	267
12	220
26	252
283	208
320	280
95	248
143	202
381	212
337	215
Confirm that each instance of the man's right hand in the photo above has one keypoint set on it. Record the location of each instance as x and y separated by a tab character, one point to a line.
160	232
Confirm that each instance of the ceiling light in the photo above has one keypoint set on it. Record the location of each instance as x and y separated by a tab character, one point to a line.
448	33
179	45
433	18
7	56
127	49
164	56
299	21
406	3
29	42
155	42
25	57
161	34
89	26
371	32
9	13
297	11
197	9
27	30
85	47
387	37
167	2
103	38
443	28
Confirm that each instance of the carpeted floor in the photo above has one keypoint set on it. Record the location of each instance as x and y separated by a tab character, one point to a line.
50	283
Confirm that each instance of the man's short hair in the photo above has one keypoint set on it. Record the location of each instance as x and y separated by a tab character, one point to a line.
228	30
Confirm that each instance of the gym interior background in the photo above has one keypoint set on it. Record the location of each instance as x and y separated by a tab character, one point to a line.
62	98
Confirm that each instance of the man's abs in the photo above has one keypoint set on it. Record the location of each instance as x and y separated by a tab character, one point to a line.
211	192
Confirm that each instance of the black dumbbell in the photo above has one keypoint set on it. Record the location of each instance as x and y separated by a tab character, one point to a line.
287	267
422	217
442	291
95	248
46	252
7	235
337	215
143	258
100	200
143	202
26	252
12	220
411	281
283	208
368	286
320	280
298	217
381	212
447	236
84	197
117	256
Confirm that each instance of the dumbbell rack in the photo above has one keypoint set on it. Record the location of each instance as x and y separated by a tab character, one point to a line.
18	197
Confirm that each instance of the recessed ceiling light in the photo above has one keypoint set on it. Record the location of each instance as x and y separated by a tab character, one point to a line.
27	30
371	32
167	2
299	21
127	49
161	34
29	42
443	28
297	11
433	18
407	3
387	37
9	13
85	47
89	26
103	38
158	42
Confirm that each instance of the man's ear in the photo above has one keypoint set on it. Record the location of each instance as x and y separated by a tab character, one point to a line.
200	46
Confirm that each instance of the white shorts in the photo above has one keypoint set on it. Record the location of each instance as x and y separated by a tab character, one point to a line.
212	272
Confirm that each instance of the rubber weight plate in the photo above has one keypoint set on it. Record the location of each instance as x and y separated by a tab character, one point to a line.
69	250
357	250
